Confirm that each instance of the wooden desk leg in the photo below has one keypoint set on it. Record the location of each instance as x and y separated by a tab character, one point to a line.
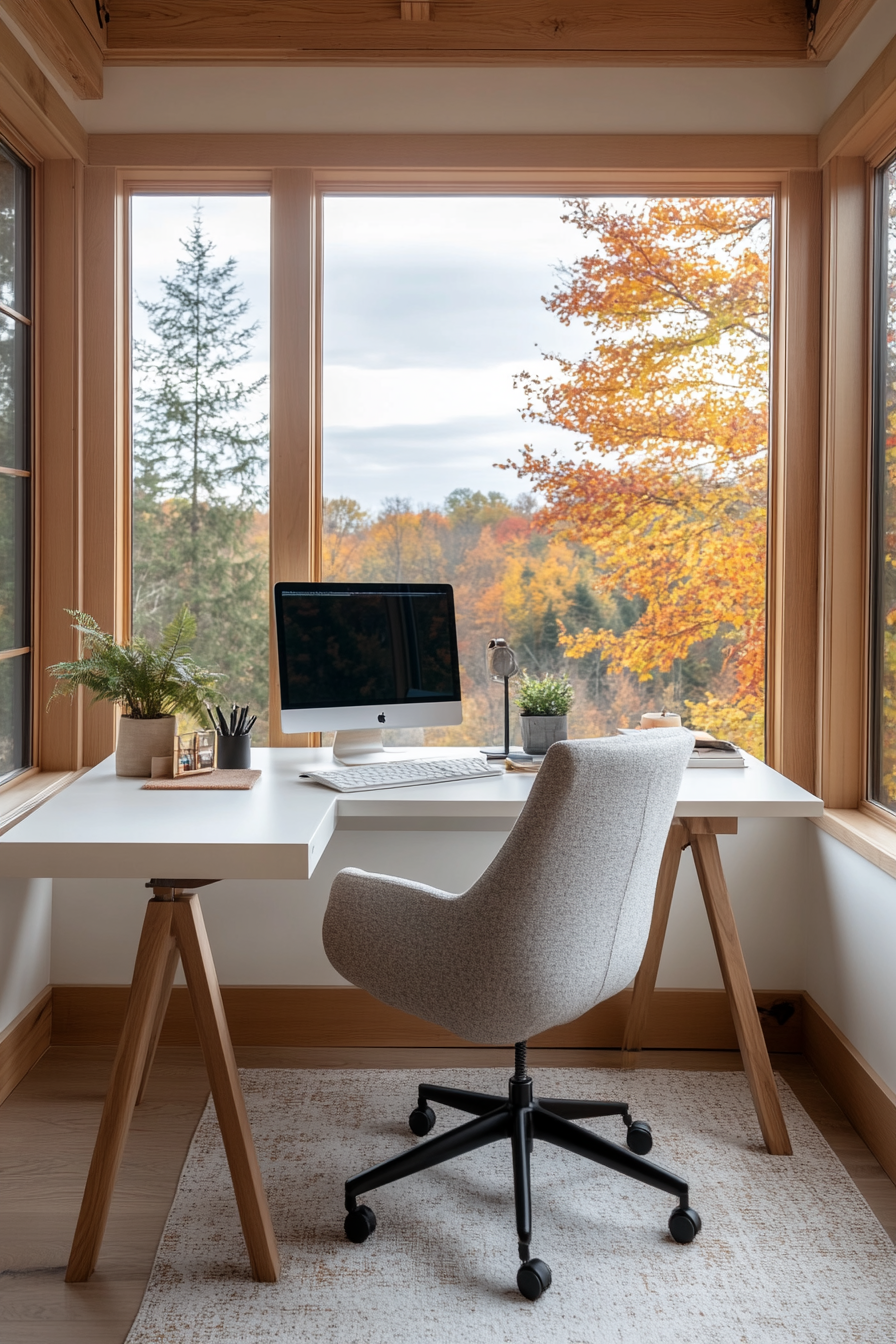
205	993
757	1064
153	957
645	980
161	1009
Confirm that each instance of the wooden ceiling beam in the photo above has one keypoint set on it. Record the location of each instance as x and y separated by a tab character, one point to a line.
835	22
32	106
59	31
527	32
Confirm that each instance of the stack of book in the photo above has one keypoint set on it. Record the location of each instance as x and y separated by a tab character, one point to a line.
709	752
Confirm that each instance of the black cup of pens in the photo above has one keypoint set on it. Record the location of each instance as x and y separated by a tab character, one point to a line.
234	737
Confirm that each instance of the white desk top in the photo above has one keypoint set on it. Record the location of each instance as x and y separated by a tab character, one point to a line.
103	826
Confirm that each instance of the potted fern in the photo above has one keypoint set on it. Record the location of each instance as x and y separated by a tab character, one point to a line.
152	686
544	704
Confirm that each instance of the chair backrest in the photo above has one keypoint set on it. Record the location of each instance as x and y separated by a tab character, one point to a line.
561	915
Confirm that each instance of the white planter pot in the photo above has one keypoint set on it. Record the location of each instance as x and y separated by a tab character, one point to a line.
540	731
141	739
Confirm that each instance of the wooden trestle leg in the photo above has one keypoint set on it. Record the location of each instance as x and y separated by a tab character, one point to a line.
173	927
645	980
754	1052
700	833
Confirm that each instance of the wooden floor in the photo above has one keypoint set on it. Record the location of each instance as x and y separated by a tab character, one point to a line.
47	1128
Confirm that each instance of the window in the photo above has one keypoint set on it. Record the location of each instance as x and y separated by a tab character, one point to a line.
611	354
199	317
882	755
15	466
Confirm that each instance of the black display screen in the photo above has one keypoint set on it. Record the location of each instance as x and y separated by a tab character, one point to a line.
344	644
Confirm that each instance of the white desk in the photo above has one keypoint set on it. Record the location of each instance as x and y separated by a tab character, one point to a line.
103	826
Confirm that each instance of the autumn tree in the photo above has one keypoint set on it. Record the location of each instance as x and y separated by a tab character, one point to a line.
200	469
668	481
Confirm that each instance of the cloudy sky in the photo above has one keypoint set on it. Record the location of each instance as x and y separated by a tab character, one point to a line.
431	305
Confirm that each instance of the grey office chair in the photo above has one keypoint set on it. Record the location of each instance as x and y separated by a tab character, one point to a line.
557	923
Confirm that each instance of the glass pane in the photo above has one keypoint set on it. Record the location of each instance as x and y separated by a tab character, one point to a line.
15	750
13	224
13	561
613	354
13	399
883	753
200	322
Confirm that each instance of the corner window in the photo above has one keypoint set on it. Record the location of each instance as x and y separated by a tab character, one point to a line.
15	466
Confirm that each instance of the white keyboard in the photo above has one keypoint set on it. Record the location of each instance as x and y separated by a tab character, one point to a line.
404	774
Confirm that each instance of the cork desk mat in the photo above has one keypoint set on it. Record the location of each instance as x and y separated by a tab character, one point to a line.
217	779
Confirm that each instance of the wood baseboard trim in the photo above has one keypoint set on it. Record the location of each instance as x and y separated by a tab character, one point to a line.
869	1104
24	1041
324	1015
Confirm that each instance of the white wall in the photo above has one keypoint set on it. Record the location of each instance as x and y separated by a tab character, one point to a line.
850	911
270	932
25	905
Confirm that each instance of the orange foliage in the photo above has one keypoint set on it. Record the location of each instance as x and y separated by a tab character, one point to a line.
668	485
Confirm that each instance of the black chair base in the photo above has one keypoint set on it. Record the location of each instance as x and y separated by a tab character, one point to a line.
522	1118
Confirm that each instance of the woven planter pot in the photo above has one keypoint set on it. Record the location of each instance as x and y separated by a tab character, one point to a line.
540	731
141	739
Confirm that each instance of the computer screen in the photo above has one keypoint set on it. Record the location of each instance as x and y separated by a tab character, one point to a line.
356	655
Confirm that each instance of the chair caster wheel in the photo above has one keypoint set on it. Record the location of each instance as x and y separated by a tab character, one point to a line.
639	1137
360	1223
684	1225
421	1120
533	1278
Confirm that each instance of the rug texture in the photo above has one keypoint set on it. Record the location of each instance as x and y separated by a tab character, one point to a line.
790	1253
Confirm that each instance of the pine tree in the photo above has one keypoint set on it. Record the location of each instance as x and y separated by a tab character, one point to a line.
200	473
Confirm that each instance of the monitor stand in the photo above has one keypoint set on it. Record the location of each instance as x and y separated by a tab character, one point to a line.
361	746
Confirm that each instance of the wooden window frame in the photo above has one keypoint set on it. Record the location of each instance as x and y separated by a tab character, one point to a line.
31	160
298	170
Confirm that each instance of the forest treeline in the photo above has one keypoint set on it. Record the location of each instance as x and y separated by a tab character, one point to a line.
515	578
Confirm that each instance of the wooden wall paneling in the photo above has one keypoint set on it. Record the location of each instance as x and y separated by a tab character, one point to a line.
460	32
29	103
337	1015
60	453
24	1041
104	519
73	50
867	113
793	492
553	154
844	474
294	464
868	1102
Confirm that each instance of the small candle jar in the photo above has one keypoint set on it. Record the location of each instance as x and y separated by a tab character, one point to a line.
663	720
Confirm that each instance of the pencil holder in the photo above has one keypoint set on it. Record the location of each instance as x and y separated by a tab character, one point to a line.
234	753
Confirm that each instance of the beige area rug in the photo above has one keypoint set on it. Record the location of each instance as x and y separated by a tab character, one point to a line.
790	1253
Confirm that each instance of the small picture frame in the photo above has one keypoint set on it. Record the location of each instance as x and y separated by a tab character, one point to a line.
194	753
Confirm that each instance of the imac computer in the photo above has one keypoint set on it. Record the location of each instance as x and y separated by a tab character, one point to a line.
361	657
